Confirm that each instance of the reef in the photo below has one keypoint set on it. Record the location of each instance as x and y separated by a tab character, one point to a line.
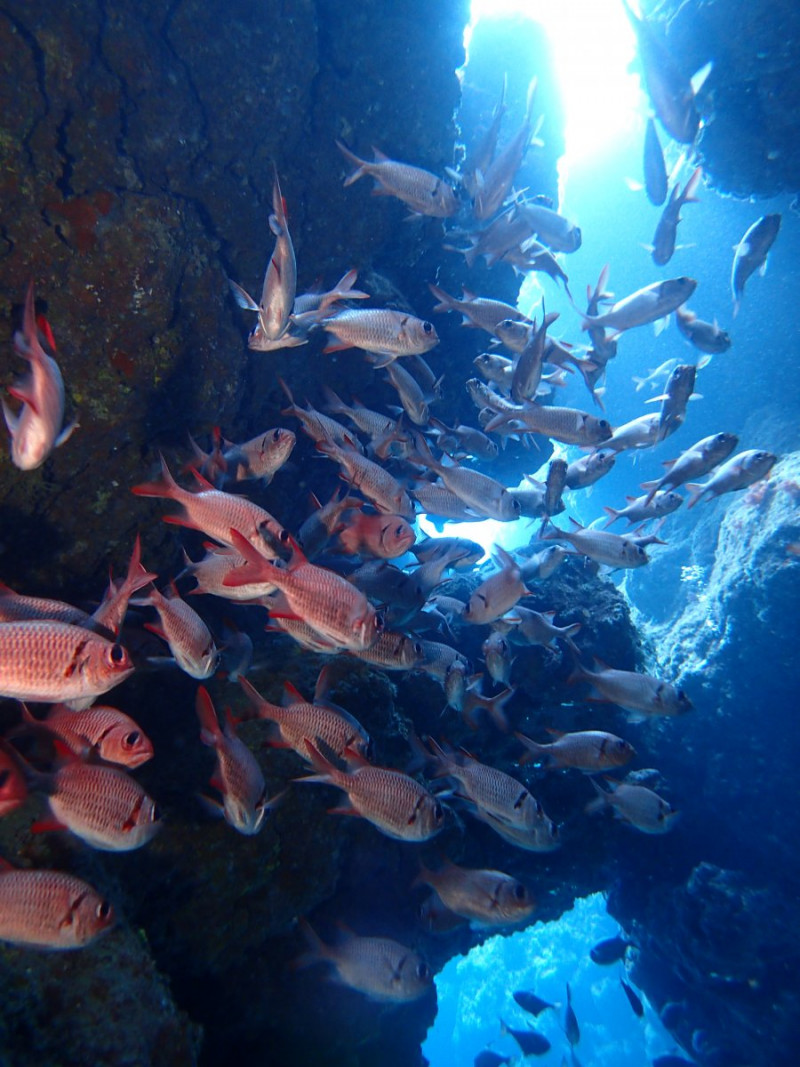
750	100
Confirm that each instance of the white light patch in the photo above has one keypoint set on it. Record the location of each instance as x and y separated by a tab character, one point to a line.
488	533
593	44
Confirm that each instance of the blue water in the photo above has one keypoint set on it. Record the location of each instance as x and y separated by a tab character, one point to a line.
474	992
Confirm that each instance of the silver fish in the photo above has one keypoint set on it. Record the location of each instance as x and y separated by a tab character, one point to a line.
422	191
739	472
649	304
696	461
751	254
384	333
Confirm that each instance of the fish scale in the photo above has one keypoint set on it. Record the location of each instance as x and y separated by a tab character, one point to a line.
16	607
376	483
189	638
117	738
50	909
103	806
53	662
492	790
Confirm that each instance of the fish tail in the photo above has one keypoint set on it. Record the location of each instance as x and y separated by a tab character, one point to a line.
614	516
255	568
696	491
166	486
138	576
210	732
317	949
358	164
496	708
446	302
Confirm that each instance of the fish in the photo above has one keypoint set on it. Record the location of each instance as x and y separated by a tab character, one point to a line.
633	999
751	254
659	374
400	591
552	229
655	171
488	1058
543	564
493	186
463	552
438	659
54	662
636	805
531	1003
587	470
643	508
379	967
695	462
384	536
393	802
640	694
485	897
371	479
477	311
497	656
320	525
212	511
333	729
189	639
13	786
568	425
464	440
100	804
610	549
705	336
739	472
541	836
210	573
667	228
393	652
111	734
423	192
489	789
384	333
439	501
411	396
261	457
531	1042
538	628
17	607
680	387
333	607
237	774
108	617
671	93
590	751
641	432
50	909
484	495
481	154
527	372
646	305
280	280
609	951
571	1028
373	423
318	426
498	593
37	428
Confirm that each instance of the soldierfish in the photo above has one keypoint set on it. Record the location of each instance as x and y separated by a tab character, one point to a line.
384	536
610	549
635	805
696	461
210	573
280	280
643	508
485	897
493	185
213	512
384	333
237	775
110	613
259	458
396	804
482	494
707	336
667	228
590	751
333	729
585	471
380	968
371	479
422	191
37	428
189	639
112	734
739	472
649	304
476	311
751	254
552	229
531	1042
655	171
498	593
53	662
315	595
677	394
530	1002
640	694
50	909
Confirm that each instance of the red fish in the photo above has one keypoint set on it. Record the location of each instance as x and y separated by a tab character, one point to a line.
50	909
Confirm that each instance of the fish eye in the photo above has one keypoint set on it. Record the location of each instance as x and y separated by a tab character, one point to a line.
276	436
4	776
103	910
380	622
423	971
516	506
398	531
132	738
417	648
118	654
520	892
604	425
427	327
438	812
155	813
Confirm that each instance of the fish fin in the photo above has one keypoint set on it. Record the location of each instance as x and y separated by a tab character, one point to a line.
166	486
343	809
46	826
210	731
289	691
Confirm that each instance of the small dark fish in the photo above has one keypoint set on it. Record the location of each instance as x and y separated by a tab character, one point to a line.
609	951
751	254
672	1061
531	1042
531	1003
487	1058
655	172
571	1028
633	999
